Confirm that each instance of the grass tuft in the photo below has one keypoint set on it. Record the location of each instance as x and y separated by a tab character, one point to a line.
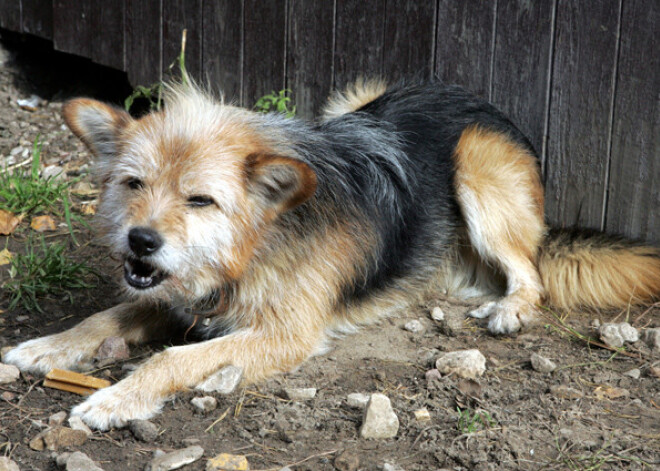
470	421
279	102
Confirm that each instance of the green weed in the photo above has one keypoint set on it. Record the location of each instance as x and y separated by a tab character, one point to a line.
470	421
279	102
43	270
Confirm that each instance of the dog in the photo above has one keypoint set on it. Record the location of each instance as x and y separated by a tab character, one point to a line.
281	233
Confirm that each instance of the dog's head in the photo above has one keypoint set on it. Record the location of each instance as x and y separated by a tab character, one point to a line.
187	193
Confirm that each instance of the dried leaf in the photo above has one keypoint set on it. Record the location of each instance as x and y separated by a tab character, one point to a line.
88	209
43	223
8	222
608	392
5	259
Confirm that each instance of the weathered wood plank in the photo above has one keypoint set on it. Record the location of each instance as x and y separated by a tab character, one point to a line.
144	58
580	111
177	16
633	205
37	17
10	15
222	49
72	27
108	32
408	42
464	44
519	86
359	39
309	58
263	54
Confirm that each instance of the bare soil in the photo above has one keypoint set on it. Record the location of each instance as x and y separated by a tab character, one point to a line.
533	424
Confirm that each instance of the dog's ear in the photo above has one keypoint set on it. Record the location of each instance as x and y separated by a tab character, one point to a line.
279	182
96	124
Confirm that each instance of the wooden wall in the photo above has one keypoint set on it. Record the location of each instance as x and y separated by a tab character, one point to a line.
580	78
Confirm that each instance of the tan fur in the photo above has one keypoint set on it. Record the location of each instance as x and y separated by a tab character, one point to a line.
354	97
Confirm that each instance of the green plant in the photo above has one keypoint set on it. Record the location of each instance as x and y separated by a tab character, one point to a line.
41	270
470	421
279	102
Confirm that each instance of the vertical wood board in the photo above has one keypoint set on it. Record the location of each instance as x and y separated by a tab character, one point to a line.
177	16
144	59
38	17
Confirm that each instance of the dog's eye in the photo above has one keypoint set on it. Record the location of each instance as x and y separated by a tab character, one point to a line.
133	183
200	200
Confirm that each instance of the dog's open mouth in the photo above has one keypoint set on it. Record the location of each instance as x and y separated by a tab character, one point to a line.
142	275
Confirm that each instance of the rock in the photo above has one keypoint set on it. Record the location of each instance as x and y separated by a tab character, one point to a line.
57	419
422	415
79	461
143	430
300	394
357	400
414	326
392	467
452	324
615	335
566	392
112	349
432	374
7	465
205	404
53	171
76	423
8	396
176	459
347	461
437	314
542	364
652	338
654	371
635	373
463	363
224	381
61	459
379	419
228	462
8	373
58	437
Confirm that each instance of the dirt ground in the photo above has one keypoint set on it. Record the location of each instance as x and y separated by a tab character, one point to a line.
598	409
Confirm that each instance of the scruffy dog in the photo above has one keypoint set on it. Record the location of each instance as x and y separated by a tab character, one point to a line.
281	233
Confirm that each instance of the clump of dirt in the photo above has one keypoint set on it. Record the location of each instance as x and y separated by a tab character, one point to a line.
597	409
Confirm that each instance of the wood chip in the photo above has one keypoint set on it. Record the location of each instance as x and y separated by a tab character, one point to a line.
74	382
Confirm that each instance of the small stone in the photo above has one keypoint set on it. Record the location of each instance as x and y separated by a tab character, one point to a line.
8	373
652	338
205	404
379	419
452	324
143	430
7	465
224	381
357	400
437	314
542	364
635	373
414	326
190	441
595	323
61	459
176	459
112	348
76	423
63	437
228	462
463	363
300	394
392	467
654	371
615	335
54	172
79	461
8	396
566	392
422	415
57	419
432	374
347	461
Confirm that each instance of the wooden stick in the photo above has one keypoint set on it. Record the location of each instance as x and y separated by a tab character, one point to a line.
68	387
77	379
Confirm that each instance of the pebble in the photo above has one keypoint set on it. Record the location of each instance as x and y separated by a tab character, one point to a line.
357	400
635	373
143	430
228	462
542	364
615	335
61	458
8	373
175	459
347	461
224	381
58	437
8	396
652	338
437	314
112	349
205	404
57	419
463	363
76	423
53	171
566	392
379	419
414	326
452	324
79	461
422	415
300	394
392	467
7	465
432	374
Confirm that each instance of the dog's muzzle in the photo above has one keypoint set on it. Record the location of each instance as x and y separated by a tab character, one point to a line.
142	275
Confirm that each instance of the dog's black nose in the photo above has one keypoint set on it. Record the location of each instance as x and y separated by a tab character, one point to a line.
144	241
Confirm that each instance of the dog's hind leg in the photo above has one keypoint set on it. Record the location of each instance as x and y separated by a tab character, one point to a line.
500	194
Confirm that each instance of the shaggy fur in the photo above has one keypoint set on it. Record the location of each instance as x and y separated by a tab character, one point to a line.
281	234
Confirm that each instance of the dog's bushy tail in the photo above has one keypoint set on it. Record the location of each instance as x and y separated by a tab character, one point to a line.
582	269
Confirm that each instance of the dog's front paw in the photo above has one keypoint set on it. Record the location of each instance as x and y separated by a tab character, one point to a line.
117	405
506	316
43	354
